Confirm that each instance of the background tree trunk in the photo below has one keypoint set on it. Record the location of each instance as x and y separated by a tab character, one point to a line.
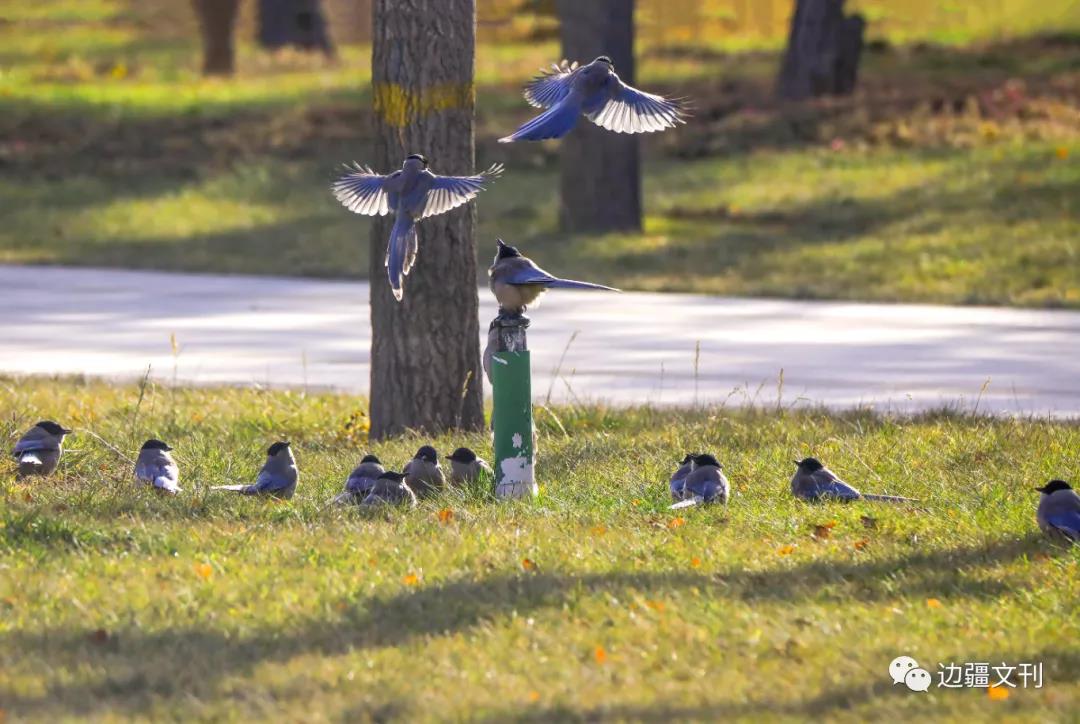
823	51
217	23
601	170
299	23
425	353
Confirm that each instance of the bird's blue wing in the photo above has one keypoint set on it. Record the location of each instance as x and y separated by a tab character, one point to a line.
449	192
829	485
524	272
1068	522
551	86
363	191
629	110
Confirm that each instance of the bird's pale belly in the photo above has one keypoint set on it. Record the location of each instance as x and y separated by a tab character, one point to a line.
517	296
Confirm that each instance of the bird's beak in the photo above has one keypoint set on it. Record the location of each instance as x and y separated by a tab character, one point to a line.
1041	490
168	449
797	462
65	431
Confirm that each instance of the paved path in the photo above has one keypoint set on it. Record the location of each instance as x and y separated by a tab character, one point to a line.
629	348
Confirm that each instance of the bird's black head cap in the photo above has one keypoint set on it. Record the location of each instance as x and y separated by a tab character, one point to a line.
1053	486
706	459
276	448
505	250
52	428
371	459
462	455
809	465
155	444
428	454
419	157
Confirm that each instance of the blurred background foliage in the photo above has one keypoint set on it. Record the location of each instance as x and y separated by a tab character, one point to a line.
951	174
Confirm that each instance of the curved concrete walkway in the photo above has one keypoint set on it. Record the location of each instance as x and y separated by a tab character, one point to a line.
628	348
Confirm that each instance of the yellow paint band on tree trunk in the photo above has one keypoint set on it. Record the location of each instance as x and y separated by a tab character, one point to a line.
398	105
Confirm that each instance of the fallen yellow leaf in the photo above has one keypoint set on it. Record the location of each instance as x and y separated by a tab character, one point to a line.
446	515
822	531
411	580
933	603
534	696
998	693
695	562
860	544
599	529
205	570
676	522
600	655
1061	152
786	550
528	564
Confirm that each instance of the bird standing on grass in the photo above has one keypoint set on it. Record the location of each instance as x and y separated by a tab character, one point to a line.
705	483
411	194
156	467
813	481
423	474
277	477
466	467
1059	511
677	482
38	451
390	489
517	282
567	91
361	480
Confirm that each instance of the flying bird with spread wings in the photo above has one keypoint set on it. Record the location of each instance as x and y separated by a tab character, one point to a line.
410	194
568	91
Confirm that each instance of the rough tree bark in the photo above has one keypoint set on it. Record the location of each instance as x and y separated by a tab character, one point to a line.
823	50
601	170
217	23
425	354
299	23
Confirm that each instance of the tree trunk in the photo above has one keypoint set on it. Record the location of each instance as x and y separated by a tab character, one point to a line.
425	354
601	170
300	23
823	51
217	22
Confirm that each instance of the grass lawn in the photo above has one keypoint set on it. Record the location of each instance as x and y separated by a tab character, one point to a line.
952	176
593	603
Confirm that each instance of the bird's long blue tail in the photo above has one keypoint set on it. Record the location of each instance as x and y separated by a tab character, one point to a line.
887	498
573	284
555	122
398	252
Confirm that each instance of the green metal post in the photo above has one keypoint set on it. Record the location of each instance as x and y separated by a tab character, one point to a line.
511	382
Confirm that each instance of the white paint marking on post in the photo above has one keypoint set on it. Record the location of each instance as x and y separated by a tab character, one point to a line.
500	360
517	479
516	440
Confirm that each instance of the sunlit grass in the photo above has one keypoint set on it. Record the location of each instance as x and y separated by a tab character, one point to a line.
120	602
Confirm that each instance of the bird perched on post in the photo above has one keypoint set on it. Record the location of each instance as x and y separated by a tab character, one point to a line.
567	91
423	474
677	481
1059	511
390	489
277	477
813	481
361	480
466	467
38	451
411	194
705	483
517	282
156	467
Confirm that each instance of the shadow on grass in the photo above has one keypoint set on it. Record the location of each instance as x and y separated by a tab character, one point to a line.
145	667
1063	667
